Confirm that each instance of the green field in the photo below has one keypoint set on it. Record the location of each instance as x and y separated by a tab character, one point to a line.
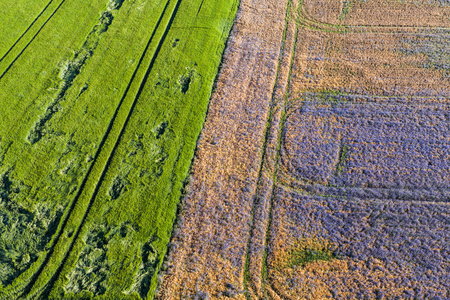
102	104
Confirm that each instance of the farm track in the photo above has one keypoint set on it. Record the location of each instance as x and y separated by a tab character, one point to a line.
272	162
254	283
26	30
280	137
5	63
306	20
105	152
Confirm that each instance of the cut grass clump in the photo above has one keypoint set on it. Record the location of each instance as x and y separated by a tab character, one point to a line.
343	154
308	250
93	269
115	4
117	187
23	233
150	259
69	71
159	130
185	80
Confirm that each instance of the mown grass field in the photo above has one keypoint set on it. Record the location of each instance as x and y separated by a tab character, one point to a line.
102	105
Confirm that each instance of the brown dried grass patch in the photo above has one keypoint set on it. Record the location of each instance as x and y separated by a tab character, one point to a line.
379	12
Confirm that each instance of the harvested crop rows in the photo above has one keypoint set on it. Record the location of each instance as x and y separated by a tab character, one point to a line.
324	171
103	102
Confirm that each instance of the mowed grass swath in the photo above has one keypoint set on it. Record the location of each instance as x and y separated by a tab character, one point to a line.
102	105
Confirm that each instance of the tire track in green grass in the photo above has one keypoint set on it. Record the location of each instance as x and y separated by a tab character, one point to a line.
198	11
80	209
10	64
26	30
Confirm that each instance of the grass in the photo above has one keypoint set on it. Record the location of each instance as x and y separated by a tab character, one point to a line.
21	13
343	154
119	142
300	257
347	6
305	251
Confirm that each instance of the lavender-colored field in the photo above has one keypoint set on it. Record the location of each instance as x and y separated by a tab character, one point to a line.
365	142
408	243
361	205
367	176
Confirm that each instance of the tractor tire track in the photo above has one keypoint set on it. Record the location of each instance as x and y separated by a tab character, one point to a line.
306	20
267	181
26	30
43	291
251	283
30	41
